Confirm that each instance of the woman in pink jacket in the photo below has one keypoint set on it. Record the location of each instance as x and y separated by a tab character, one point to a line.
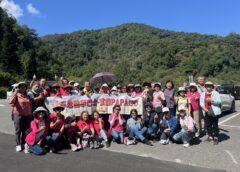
39	130
21	113
187	132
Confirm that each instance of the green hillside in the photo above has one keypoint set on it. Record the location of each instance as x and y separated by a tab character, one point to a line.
138	52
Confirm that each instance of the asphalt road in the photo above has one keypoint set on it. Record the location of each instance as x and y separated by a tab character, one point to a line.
87	160
172	157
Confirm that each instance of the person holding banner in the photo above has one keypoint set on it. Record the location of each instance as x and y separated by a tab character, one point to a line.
137	91
136	127
116	124
87	88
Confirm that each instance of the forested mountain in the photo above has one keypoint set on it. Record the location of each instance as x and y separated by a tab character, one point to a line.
133	52
137	52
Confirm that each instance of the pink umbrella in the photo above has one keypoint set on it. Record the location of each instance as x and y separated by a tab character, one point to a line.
102	77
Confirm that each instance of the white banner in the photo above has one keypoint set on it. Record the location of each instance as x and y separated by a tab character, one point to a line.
103	103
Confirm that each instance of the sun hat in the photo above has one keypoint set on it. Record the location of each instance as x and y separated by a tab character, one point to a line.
114	88
67	86
119	86
180	89
157	84
165	109
40	109
104	85
58	105
71	82
193	84
209	83
76	84
130	85
137	85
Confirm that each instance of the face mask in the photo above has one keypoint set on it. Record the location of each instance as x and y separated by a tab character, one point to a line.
38	90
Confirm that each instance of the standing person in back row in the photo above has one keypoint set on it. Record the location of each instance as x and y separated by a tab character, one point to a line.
210	102
21	113
169	94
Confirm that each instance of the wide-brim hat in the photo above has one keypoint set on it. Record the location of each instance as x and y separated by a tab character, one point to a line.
58	105
137	85
182	89
209	83
119	86
157	84
105	85
40	109
193	84
147	84
130	85
76	84
114	88
67	86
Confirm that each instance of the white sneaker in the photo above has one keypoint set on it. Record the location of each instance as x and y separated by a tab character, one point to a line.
18	148
163	142
186	145
74	147
26	148
197	135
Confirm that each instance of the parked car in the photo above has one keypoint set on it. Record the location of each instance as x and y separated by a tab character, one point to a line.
233	89
228	101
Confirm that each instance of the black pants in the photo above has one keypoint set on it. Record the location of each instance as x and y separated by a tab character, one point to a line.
21	124
211	124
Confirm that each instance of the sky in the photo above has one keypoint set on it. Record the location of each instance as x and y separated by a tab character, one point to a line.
218	17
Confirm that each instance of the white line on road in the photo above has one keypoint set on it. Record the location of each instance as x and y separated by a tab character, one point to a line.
178	160
2	105
221	122
231	155
232	126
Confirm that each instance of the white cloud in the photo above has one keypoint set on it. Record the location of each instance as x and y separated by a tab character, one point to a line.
31	9
12	8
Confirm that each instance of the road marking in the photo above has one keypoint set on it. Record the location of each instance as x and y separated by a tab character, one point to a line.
2	105
232	126
178	160
231	155
221	122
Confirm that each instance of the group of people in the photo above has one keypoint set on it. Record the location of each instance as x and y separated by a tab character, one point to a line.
170	115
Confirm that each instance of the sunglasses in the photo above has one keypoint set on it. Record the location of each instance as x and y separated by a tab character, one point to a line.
148	107
118	109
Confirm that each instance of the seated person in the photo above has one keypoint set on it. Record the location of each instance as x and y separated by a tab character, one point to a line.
169	127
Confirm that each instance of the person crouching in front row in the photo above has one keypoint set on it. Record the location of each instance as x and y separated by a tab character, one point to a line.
186	134
36	139
169	126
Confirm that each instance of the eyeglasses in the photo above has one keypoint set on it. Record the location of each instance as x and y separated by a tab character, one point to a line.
118	109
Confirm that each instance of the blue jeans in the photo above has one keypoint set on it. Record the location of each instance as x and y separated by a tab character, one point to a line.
139	134
166	135
183	136
103	135
53	139
152	130
117	136
36	149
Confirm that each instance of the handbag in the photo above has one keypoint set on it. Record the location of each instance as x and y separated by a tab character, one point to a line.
210	112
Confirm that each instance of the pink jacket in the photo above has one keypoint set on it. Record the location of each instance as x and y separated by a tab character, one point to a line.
188	121
21	104
31	137
116	123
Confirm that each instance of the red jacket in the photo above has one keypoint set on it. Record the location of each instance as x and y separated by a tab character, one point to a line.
31	137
